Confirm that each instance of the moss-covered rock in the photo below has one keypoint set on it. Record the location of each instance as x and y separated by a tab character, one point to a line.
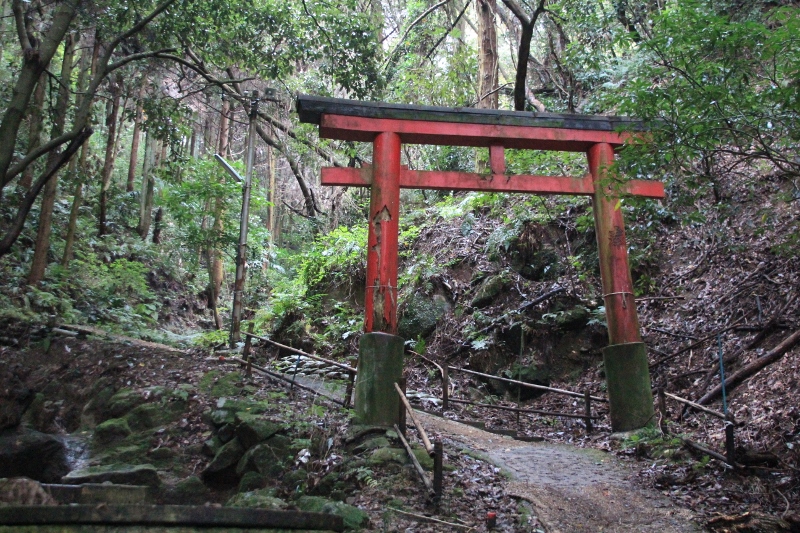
488	291
419	315
149	416
354	518
221	471
252	430
123	401
252	481
387	455
573	319
425	460
268	458
257	499
190	490
111	431
122	474
219	384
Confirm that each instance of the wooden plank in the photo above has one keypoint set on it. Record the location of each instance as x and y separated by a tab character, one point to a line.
469	181
351	128
312	108
168	515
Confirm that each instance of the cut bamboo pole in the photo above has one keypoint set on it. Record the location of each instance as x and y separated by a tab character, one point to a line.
414	461
424	436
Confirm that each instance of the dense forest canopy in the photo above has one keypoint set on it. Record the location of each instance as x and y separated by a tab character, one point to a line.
112	112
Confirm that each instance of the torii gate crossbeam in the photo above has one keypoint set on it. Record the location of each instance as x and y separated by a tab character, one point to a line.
388	126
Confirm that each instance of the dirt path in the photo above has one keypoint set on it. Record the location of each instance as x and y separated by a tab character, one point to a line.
573	490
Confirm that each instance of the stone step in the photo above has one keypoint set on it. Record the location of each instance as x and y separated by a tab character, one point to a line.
99	493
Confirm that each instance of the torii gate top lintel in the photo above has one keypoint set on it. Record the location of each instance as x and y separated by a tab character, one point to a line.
388	126
351	120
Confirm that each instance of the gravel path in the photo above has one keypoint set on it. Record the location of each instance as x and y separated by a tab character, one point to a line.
573	490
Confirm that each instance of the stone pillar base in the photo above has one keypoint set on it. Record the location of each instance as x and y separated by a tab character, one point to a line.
380	366
629	394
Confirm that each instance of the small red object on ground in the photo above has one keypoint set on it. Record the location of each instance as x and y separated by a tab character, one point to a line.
491	520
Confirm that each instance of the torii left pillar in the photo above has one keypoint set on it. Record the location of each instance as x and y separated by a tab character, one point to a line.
380	356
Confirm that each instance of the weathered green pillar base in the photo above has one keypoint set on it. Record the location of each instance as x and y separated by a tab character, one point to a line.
629	394
380	365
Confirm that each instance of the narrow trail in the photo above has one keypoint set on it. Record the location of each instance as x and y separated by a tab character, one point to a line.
573	490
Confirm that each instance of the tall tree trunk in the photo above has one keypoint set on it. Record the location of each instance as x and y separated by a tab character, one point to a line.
42	246
487	55
157	223
217	266
34	127
78	164
528	25
115	87
148	185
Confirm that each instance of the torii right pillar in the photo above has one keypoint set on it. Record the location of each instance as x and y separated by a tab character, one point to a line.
630	395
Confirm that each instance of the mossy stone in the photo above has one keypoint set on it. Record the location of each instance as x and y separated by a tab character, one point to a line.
123	401
252	430
419	315
110	431
190	490
373	444
353	517
488	291
257	499
252	481
122	474
267	458
222	469
573	319
425	460
387	455
149	416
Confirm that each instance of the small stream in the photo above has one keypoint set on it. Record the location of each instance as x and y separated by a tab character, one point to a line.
77	449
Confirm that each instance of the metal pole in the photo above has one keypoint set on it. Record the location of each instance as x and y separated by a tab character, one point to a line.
241	255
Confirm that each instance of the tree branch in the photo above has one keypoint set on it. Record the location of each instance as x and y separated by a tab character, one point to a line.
410	27
30	197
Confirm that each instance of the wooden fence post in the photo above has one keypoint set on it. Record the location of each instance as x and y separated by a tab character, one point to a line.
438	474
445	389
587	397
402	414
730	443
348	393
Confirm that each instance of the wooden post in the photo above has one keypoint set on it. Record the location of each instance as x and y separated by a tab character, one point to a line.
381	294
348	393
587	397
248	341
241	253
730	443
445	389
662	403
438	473
402	414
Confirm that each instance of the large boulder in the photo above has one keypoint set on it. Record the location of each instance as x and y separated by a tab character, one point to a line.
419	315
27	453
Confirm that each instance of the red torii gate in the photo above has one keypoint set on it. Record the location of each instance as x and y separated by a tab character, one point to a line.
387	126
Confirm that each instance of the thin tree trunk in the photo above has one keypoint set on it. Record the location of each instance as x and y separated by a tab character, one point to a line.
217	266
34	128
137	134
78	164
157	225
148	186
108	166
42	246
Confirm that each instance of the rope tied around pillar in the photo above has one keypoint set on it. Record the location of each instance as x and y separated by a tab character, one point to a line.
624	297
